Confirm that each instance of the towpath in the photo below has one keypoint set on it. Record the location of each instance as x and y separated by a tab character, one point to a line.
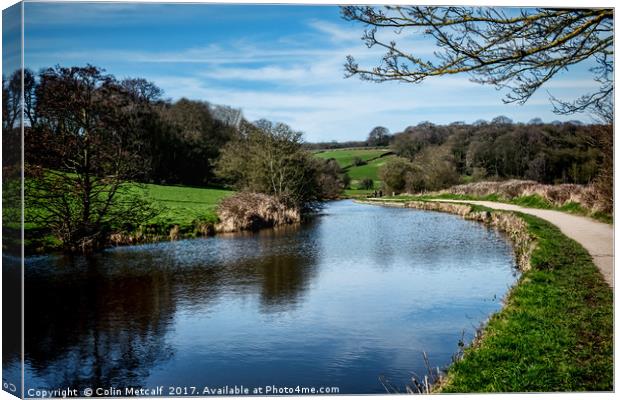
596	237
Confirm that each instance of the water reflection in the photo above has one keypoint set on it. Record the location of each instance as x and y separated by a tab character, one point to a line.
102	320
11	322
359	292
90	328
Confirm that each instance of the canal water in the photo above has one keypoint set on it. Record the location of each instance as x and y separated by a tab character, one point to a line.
347	300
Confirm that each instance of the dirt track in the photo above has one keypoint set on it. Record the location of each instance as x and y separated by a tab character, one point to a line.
596	237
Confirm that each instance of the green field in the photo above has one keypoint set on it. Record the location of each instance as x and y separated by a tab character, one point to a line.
183	205
345	157
370	170
375	158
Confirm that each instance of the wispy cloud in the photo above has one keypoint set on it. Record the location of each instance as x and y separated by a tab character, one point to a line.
336	33
209	54
61	14
350	110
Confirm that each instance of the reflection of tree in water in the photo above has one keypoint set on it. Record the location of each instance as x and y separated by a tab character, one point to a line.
91	329
280	274
278	279
103	320
284	279
11	311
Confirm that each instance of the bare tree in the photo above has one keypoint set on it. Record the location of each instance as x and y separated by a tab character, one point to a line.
86	121
143	91
11	102
269	158
12	106
379	136
518	50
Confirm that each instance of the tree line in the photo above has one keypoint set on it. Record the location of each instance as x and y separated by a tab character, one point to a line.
379	136
177	142
91	142
437	156
433	156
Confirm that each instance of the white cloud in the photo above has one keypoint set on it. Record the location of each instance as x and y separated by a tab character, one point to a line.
335	32
270	73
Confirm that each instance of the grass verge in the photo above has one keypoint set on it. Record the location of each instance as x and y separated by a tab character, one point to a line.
555	332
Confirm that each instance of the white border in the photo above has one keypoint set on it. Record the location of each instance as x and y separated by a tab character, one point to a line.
504	3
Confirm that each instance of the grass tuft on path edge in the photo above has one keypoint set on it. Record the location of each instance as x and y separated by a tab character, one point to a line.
555	332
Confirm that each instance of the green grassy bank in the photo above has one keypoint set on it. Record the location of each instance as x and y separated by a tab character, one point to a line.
555	331
186	209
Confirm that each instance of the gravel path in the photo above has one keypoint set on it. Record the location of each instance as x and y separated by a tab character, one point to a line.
596	237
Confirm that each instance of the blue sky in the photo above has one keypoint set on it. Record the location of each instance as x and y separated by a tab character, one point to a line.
283	63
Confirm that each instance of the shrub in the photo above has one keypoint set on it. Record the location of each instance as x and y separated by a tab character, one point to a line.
366	184
396	174
357	161
269	158
331	180
432	169
479	173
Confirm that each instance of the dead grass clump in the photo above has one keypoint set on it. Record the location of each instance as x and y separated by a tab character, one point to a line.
508	189
127	238
204	228
517	230
452	208
175	233
253	211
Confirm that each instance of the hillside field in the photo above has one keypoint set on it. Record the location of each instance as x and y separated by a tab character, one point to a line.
375	158
345	157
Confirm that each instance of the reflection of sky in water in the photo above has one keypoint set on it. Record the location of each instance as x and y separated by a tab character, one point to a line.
359	292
